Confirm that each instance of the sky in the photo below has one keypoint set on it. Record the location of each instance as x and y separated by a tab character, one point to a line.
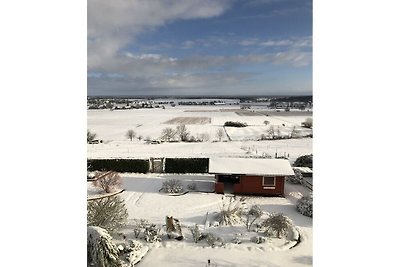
199	47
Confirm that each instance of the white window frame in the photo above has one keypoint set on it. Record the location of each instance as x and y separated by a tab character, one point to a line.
269	186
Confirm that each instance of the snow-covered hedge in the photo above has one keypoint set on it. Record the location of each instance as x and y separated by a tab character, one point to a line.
305	205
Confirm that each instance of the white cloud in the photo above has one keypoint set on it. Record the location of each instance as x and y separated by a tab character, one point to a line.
114	24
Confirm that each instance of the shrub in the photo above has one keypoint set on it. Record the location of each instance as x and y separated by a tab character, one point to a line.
213	240
172	186
139	226
152	234
229	214
186	165
101	251
305	205
192	186
258	239
297	178
277	225
108	181
304	161
90	136
235	124
253	214
109	213
308	123
196	234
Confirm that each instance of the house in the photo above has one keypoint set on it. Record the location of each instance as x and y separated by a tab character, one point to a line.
253	176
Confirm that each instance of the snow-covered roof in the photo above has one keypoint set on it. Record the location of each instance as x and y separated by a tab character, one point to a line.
303	169
255	166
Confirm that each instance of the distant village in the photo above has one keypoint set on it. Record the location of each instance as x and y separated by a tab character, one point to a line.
284	103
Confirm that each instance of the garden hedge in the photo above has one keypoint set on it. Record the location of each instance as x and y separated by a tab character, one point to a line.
186	165
119	165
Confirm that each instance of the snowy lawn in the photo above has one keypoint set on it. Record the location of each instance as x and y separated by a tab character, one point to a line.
144	201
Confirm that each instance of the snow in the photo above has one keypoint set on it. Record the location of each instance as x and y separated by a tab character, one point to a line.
144	201
250	166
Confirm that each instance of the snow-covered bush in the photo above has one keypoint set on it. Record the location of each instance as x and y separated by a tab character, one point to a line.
101	251
305	205
152	234
236	240
139	226
172	186
297	178
253	214
230	214
258	239
108	181
304	161
109	213
196	234
213	240
192	186
277	225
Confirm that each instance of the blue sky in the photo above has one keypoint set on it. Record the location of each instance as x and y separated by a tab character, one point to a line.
199	47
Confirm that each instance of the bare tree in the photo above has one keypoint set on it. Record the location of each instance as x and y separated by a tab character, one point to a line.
219	134
182	132
168	134
252	215
271	132
108	181
90	136
109	213
295	132
131	134
204	137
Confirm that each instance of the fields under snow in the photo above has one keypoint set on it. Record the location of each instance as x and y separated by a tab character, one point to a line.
111	127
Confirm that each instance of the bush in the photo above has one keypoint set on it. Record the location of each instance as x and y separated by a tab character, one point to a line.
101	251
152	234
305	205
304	161
297	178
213	240
196	234
186	165
230	215
253	214
109	213
192	186
258	239
235	124
108	181
277	225
139	226
119	165
308	123
172	186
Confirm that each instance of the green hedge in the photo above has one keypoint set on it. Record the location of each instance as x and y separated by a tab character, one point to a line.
186	165
119	165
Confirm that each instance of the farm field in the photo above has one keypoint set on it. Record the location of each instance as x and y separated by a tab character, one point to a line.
144	201
111	127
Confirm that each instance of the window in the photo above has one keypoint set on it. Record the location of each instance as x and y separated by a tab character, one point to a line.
269	182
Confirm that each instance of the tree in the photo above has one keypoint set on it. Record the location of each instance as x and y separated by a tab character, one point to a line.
168	134
182	132
304	161
109	213
108	181
131	134
90	136
308	123
204	137
101	250
219	134
277	224
271	132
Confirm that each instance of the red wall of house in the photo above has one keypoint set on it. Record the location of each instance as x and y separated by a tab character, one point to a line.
253	185
219	188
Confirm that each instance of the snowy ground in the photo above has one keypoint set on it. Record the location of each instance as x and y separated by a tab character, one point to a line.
145	202
111	126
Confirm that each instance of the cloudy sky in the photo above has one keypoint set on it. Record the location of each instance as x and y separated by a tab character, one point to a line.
199	47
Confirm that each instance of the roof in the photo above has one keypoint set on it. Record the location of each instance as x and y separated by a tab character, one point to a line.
303	169
254	166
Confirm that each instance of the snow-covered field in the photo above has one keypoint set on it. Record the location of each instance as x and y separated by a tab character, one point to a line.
145	202
111	127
